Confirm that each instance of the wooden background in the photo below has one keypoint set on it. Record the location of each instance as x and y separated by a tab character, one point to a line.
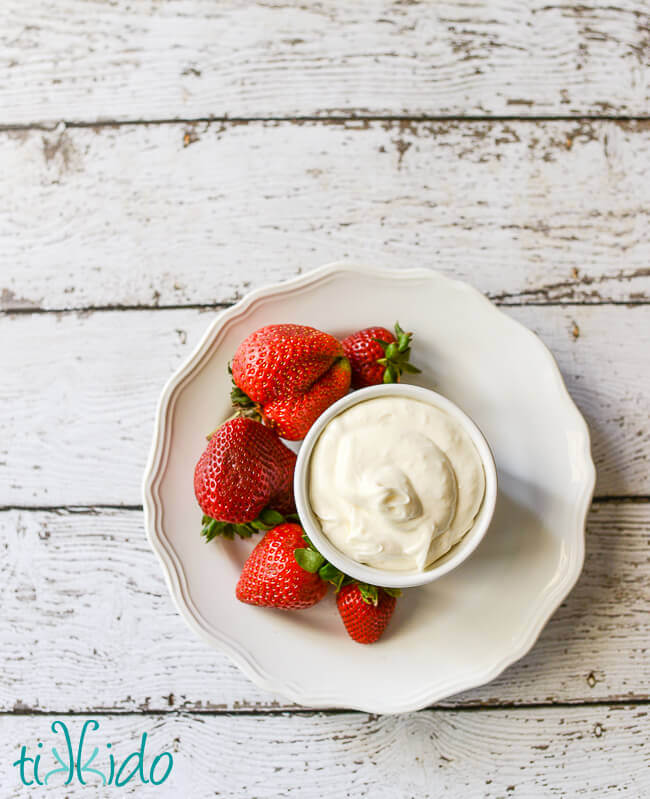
160	158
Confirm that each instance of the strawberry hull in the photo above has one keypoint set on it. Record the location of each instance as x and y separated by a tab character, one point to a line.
377	356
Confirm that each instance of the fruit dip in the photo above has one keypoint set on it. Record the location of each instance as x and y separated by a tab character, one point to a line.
395	482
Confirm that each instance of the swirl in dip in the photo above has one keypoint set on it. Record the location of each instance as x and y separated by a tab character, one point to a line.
395	482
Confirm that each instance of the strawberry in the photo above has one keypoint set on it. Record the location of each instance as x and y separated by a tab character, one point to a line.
292	417
365	610
287	375
244	470
377	356
272	576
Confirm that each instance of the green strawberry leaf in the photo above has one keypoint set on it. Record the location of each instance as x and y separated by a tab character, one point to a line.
391	351
396	356
328	571
239	398
209	529
309	559
268	518
369	593
408	367
331	574
271	517
242	530
393	591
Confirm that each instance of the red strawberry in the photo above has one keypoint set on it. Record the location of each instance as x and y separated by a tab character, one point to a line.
365	610
272	576
292	417
244	469
377	356
288	374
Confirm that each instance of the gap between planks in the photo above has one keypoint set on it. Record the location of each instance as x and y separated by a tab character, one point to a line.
334	711
334	119
222	306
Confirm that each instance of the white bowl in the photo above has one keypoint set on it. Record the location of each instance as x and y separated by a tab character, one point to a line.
370	574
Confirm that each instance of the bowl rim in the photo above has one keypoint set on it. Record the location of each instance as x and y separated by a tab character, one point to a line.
384	577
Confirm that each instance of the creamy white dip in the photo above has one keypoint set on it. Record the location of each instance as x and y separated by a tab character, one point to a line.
395	482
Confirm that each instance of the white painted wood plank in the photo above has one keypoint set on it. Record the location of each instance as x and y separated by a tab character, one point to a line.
527	754
79	392
87	624
88	60
526	211
603	355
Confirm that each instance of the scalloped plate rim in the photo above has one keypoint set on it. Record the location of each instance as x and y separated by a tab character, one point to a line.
176	578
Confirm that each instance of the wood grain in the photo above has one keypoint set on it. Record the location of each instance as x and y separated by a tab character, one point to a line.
494	754
79	392
198	214
104	211
190	58
87	624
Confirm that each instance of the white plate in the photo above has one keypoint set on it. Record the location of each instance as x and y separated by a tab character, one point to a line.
465	628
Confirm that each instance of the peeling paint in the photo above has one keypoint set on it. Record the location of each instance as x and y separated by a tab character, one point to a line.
9	301
58	148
